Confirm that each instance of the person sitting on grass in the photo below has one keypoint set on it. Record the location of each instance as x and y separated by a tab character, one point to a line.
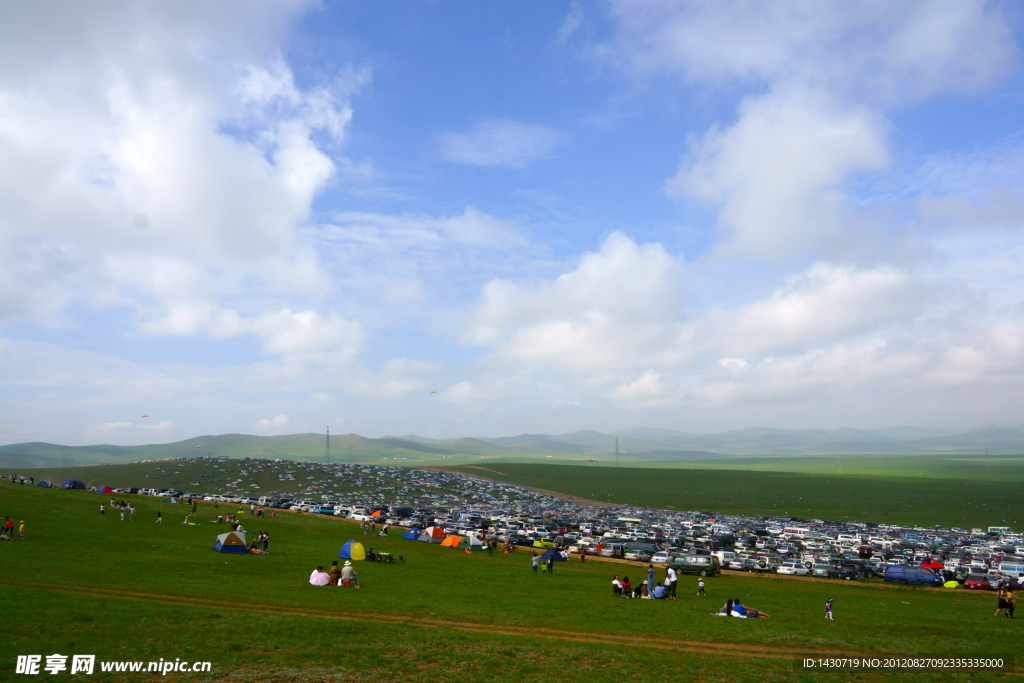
335	573
348	575
371	556
641	591
616	585
726	609
659	592
627	588
319	577
740	610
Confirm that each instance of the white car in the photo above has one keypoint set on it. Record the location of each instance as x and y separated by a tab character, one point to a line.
661	557
792	569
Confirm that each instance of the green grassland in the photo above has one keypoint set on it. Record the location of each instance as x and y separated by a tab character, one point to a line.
951	496
85	584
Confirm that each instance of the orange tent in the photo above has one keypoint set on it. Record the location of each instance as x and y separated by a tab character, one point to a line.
452	542
376	514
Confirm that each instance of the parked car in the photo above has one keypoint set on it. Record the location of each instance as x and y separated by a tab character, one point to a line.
824	571
793	569
661	557
705	565
851	572
915	576
977	582
638	555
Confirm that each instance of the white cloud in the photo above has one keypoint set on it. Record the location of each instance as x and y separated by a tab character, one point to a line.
619	306
115	426
185	157
889	51
273	424
825	304
500	142
776	174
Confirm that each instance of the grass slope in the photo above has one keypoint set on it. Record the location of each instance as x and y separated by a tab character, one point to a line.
82	584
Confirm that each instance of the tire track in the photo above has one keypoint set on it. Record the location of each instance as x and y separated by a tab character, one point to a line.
738	649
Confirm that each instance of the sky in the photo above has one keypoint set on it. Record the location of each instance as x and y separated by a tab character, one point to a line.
464	218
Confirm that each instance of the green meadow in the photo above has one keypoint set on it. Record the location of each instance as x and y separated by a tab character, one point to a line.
85	584
928	492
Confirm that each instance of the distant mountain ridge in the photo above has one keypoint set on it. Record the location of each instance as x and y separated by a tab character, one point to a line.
637	443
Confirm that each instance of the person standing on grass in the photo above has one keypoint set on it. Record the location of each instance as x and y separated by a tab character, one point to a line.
583	554
101	510
650	578
131	513
551	565
700	587
828	609
9	527
21	537
159	516
670	583
536	562
122	514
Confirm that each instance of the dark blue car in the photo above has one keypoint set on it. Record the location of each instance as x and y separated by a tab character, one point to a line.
913	576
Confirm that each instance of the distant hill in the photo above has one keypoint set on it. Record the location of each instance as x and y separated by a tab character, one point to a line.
637	444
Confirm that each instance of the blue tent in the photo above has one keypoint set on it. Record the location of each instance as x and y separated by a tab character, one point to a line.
72	484
412	534
45	484
231	542
352	550
552	554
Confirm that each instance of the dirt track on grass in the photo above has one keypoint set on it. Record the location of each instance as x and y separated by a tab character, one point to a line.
752	650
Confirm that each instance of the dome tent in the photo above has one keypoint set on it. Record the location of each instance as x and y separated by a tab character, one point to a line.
73	484
231	542
103	490
412	534
352	550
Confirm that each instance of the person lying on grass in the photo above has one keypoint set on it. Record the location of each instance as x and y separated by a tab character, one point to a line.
739	610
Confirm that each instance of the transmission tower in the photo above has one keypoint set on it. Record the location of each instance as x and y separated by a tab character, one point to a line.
616	451
328	445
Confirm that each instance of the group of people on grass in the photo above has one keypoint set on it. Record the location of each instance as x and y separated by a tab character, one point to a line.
650	588
8	530
1005	600
344	576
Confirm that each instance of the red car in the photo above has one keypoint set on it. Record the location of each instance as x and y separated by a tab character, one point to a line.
978	582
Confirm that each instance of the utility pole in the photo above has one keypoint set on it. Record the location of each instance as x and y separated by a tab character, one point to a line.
328	445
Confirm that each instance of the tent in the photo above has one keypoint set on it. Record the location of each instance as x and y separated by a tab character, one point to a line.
433	534
933	564
451	542
105	490
376	513
473	543
45	484
412	534
552	554
231	542
951	584
171	500
72	484
353	550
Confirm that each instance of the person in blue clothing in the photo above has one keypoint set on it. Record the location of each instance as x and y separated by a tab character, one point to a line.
741	610
659	592
650	578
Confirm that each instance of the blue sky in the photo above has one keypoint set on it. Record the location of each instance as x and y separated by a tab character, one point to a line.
462	218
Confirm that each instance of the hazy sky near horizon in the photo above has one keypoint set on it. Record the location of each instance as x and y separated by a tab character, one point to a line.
466	218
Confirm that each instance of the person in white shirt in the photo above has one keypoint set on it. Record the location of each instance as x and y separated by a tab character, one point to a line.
670	583
616	585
